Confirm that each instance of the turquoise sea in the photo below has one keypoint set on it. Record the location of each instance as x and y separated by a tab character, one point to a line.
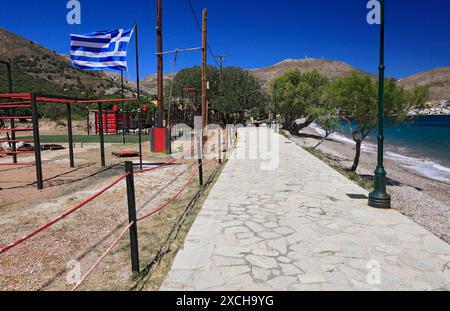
421	144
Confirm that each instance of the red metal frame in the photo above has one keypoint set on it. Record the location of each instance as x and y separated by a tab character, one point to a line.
24	100
16	140
16	129
18	164
16	152
15	118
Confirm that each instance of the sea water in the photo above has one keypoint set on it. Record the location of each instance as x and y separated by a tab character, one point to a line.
421	144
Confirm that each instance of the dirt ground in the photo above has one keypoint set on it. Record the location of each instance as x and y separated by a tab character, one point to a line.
50	260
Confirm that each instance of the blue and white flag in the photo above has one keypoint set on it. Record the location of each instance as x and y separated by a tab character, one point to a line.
103	50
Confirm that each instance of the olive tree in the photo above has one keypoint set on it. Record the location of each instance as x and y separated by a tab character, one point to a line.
297	96
356	102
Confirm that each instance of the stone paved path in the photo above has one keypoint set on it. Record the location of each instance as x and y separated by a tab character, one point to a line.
302	226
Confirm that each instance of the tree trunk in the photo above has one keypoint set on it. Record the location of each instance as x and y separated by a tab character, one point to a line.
321	141
357	156
295	128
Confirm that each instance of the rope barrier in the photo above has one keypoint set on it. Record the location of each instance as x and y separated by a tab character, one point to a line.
97	263
156	167
62	216
171	199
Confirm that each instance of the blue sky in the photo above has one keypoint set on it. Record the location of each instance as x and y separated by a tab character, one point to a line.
256	33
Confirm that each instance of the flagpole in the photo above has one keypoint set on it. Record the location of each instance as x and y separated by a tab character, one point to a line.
138	90
123	108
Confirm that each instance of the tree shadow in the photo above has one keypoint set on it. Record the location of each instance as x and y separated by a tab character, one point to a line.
391	182
318	137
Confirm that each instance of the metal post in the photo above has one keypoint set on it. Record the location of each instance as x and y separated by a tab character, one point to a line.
200	160
70	134
219	145
159	43
138	89
37	142
88	125
204	68
100	132
12	110
379	198
132	218
123	109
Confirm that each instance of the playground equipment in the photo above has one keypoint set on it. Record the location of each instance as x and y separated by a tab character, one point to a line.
20	101
112	121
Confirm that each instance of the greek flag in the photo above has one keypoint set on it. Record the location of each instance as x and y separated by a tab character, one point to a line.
103	50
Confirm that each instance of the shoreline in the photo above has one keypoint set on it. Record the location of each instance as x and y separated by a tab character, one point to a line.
421	198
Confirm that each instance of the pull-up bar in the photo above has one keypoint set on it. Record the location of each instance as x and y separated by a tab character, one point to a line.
179	51
31	100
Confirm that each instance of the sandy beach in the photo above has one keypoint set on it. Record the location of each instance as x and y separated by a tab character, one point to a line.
423	199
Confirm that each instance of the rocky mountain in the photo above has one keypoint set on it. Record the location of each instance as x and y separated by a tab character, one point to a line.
149	83
438	80
330	68
38	69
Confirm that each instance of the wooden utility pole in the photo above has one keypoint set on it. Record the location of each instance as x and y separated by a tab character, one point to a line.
159	43
204	63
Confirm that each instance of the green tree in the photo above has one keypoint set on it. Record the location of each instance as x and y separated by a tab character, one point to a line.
356	101
297	96
231	92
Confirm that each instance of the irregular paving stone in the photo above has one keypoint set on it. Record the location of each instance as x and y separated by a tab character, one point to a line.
237	229
207	279
263	252
304	221
282	282
262	261
310	278
231	251
260	274
289	269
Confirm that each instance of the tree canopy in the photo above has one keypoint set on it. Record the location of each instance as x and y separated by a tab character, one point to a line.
297	96
356	99
232	92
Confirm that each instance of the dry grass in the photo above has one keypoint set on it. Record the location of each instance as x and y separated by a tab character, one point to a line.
42	262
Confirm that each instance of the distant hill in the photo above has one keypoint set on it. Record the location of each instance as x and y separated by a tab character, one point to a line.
38	69
150	83
329	68
438	80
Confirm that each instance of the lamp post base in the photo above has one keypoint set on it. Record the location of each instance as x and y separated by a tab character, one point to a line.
379	198
377	202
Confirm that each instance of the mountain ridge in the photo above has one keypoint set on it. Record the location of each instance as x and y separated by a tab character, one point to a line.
42	68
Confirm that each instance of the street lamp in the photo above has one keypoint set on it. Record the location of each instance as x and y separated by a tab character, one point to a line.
379	198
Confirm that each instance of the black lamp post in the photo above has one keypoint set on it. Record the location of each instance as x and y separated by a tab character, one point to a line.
379	198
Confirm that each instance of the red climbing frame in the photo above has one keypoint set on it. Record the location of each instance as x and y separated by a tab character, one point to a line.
15	102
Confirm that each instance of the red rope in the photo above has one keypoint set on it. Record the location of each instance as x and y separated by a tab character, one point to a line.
159	166
62	216
171	199
92	269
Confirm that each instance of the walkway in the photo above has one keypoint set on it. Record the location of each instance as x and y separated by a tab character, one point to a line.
302	226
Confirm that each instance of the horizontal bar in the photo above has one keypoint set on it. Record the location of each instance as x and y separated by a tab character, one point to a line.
16	152
17	164
14	106
125	100
16	141
16	96
15	103
16	117
16	130
179	51
64	100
